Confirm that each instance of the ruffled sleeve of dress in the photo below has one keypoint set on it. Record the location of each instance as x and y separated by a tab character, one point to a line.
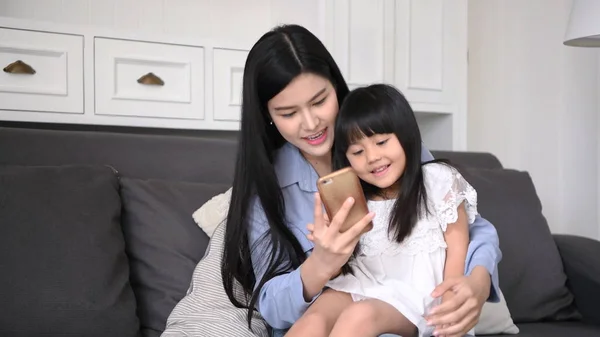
449	189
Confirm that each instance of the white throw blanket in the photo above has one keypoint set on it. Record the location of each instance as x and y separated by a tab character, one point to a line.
213	212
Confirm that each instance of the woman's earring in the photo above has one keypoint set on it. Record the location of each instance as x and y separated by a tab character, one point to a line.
271	123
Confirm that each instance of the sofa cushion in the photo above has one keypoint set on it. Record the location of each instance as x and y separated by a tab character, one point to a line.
62	254
495	318
531	271
163	242
206	310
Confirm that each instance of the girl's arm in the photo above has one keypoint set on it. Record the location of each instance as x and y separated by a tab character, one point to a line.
457	240
484	249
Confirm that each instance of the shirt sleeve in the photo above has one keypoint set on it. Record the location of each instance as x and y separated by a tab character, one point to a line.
484	250
281	299
425	154
484	245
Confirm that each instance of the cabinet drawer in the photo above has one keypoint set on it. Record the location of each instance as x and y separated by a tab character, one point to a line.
228	71
146	79
41	71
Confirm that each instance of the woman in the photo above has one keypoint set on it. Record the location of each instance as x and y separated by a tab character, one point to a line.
292	90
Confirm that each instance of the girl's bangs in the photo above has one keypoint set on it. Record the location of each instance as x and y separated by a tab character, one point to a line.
362	120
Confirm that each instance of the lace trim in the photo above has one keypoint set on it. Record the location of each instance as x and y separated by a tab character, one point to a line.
423	239
428	235
460	191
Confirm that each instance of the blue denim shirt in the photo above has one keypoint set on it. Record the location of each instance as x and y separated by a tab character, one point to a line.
281	300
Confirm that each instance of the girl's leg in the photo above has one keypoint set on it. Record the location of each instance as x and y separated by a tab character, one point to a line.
371	318
319	318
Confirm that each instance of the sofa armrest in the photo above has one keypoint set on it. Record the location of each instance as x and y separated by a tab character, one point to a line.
581	261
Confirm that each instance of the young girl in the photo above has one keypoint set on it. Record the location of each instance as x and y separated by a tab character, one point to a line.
421	227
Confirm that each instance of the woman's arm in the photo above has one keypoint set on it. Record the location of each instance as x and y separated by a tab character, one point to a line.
284	298
484	251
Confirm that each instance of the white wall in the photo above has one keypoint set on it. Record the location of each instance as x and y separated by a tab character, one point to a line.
197	18
534	103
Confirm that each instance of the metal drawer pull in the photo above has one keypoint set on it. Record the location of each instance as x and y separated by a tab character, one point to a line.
150	79
19	67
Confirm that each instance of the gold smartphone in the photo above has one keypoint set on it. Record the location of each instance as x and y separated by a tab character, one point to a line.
335	188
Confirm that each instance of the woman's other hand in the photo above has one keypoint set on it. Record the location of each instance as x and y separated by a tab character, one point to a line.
460	311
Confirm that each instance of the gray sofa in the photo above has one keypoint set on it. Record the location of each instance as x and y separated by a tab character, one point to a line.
97	238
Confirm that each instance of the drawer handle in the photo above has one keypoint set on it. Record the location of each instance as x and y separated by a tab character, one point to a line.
150	79
19	67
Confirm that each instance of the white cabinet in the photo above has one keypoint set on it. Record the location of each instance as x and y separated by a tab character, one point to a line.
41	71
228	71
419	46
361	39
431	53
137	78
144	79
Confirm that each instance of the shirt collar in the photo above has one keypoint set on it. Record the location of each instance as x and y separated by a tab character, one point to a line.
291	168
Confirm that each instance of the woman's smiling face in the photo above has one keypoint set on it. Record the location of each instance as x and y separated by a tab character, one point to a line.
304	113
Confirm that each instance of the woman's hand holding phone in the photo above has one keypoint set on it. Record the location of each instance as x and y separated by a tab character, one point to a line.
333	248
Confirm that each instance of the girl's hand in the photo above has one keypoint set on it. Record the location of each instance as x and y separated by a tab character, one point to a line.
459	312
332	248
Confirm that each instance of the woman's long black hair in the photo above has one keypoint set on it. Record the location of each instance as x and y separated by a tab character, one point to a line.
274	61
382	109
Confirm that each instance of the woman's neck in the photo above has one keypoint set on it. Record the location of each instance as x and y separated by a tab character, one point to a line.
322	165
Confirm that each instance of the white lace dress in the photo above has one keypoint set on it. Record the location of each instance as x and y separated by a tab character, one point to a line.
405	274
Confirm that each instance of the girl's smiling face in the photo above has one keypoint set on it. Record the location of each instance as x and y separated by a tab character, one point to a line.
378	160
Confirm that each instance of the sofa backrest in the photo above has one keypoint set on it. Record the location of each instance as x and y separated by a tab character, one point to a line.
168	174
194	156
201	156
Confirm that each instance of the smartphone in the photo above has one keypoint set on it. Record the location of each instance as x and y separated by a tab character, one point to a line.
335	188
